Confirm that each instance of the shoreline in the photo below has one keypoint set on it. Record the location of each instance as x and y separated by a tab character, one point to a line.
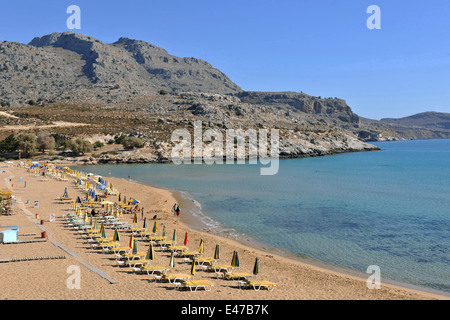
24	280
191	222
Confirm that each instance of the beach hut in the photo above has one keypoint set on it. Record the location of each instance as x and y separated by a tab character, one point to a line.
10	235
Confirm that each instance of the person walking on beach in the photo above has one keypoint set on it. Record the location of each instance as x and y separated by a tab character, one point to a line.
142	213
175	206
178	211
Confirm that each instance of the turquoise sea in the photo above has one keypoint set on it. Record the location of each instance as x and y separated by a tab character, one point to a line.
389	208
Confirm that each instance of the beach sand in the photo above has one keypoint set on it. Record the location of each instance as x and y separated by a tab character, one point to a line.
102	278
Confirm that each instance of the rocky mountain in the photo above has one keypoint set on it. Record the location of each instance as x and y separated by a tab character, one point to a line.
72	65
100	90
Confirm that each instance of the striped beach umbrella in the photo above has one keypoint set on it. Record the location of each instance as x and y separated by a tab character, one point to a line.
235	260
150	253
256	267
201	248
217	252
103	231
116	235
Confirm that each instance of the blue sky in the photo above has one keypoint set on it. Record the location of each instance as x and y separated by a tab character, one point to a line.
320	47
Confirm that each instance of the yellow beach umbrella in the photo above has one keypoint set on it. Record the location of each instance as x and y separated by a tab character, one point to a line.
201	248
193	267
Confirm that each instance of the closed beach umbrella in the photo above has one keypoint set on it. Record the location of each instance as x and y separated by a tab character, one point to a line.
201	248
185	238
150	253
144	225
235	260
217	252
256	267
172	261
131	241
116	235
164	231
155	227
103	231
193	267
135	218
134	247
124	199
119	197
174	236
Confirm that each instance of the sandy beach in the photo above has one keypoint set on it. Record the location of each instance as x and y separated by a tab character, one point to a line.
103	279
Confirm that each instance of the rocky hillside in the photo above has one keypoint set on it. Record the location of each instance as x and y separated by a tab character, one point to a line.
77	86
69	65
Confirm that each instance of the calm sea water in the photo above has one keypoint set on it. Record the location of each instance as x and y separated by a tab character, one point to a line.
389	208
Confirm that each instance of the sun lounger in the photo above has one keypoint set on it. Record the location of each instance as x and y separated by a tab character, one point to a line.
237	275
193	285
150	270
257	285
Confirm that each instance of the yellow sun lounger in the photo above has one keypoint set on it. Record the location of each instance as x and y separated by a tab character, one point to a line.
152	269
257	285
237	275
193	285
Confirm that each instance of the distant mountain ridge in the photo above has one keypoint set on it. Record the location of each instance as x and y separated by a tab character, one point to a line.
429	120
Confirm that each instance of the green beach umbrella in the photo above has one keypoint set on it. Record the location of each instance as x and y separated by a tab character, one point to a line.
164	231
217	252
116	235
174	235
102	231
155	227
150	253
134	247
201	248
235	260
256	267
144	225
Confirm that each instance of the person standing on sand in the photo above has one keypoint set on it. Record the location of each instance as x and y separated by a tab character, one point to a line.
178	211
174	209
142	213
